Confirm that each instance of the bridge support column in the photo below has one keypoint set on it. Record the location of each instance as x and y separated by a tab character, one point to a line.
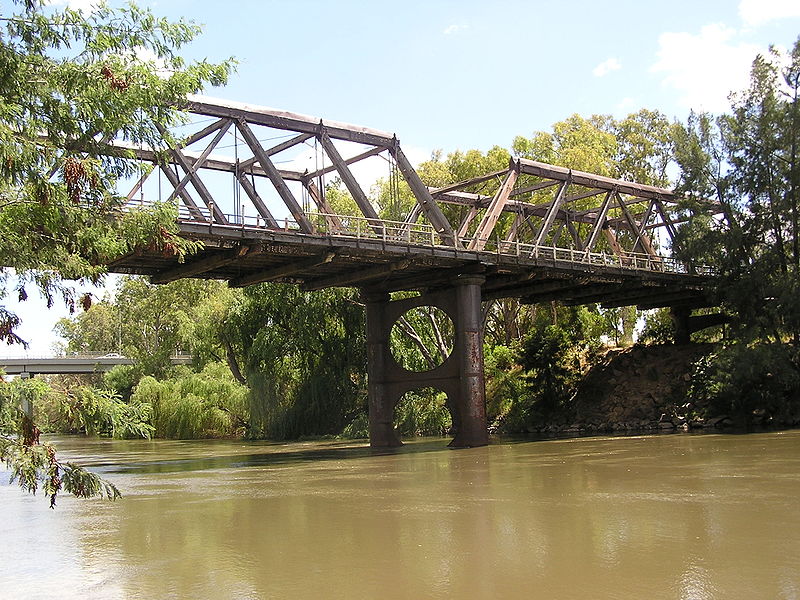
460	376
680	322
379	388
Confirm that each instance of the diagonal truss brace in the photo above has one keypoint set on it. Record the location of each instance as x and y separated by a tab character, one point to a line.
275	177
487	224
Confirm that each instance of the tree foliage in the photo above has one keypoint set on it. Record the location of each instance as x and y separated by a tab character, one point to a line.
303	357
69	82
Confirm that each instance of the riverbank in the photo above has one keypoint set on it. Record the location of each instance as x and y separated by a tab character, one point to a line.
645	389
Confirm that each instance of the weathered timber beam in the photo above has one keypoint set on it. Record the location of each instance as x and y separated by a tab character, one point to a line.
288	270
410	220
697	300
347	161
333	222
200	266
512	233
467	221
466	183
196	137
598	223
668	294
429	280
198	164
350	183
591	180
668	221
578	294
529	289
288	121
576	239
257	201
277	181
646	242
432	211
487	224
172	177
197	183
213	163
358	276
612	240
550	216
533	188
298	139
635	229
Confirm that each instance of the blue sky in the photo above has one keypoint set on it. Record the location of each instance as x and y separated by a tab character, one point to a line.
460	75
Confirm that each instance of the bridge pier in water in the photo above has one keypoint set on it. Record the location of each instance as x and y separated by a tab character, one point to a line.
460	376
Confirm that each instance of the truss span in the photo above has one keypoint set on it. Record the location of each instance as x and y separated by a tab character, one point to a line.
535	231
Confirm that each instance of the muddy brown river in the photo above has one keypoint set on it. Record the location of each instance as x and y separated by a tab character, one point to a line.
666	516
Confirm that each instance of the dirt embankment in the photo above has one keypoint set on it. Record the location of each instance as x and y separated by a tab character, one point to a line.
639	388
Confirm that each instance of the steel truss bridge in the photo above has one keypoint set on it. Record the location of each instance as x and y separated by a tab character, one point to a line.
532	231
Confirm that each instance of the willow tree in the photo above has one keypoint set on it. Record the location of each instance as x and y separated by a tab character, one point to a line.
69	82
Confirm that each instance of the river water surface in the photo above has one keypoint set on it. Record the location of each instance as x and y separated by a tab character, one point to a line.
670	516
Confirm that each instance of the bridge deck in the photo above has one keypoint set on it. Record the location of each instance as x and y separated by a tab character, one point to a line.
248	254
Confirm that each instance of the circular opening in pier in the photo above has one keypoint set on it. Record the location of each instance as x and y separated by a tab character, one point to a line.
422	338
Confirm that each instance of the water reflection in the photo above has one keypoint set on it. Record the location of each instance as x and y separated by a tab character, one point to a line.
658	517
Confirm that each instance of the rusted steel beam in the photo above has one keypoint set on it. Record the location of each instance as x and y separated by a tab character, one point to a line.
358	276
288	121
200	266
288	270
277	181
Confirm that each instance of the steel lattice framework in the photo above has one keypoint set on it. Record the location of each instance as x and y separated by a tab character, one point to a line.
533	230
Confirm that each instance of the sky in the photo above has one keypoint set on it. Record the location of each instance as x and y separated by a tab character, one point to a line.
468	74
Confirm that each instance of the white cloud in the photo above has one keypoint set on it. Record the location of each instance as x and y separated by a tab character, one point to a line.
706	67
85	6
455	28
757	12
605	67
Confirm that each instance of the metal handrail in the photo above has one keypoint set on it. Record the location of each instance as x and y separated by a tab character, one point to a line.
423	234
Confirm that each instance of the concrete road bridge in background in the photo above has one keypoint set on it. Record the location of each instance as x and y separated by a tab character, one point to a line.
74	364
531	231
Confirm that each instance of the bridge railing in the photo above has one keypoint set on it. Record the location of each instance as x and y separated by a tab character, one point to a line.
423	234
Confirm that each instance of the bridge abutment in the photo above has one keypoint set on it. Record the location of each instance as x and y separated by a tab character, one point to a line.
460	376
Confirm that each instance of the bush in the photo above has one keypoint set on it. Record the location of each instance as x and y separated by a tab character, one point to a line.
749	382
195	405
